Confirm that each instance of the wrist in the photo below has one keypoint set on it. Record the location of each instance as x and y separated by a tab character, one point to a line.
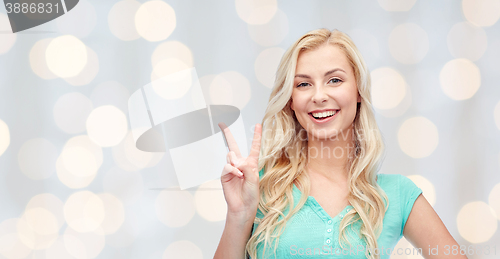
241	218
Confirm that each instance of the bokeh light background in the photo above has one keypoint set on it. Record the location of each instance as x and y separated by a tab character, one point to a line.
74	186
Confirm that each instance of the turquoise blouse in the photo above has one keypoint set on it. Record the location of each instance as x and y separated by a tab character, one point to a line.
312	233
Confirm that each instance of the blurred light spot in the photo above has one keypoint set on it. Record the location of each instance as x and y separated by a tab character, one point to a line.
88	73
38	62
73	175
467	41
71	111
221	91
267	64
155	20
210	202
50	203
37	158
127	186
271	33
129	158
84	211
230	88
38	228
172	49
85	142
182	249
107	126
111	93
81	22
114	213
496	115
256	12
10	242
74	246
494	200
460	79
427	187
476	222
481	12
367	44
42	221
175	208
396	5
58	251
66	56
121	20
71	180
7	40
176	84
84	245
388	88
418	137
4	137
79	161
408	43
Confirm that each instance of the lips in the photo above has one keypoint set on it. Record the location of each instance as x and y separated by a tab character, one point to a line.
324	114
325	119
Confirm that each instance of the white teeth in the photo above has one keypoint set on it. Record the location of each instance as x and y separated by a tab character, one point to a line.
323	114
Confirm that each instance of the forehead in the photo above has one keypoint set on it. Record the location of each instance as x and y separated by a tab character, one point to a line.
322	59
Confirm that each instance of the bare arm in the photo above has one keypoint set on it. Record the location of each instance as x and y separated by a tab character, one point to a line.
234	238
424	229
240	183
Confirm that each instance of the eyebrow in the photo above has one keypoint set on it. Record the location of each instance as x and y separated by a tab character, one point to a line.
326	74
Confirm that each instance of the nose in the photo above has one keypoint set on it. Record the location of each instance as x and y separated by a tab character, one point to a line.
319	95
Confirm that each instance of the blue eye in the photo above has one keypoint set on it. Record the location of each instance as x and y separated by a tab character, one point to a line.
302	84
335	80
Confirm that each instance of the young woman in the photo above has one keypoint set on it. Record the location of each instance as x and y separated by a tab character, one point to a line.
312	190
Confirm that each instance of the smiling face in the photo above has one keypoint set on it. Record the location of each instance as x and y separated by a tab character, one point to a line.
325	93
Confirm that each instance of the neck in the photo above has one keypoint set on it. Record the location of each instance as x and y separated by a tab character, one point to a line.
329	158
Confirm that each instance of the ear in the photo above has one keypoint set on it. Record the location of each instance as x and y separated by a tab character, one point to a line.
291	105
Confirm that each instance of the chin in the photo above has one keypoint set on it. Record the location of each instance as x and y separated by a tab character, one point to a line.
323	135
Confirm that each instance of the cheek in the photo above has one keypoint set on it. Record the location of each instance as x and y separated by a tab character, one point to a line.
349	98
295	103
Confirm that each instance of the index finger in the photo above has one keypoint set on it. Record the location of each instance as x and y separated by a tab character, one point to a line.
231	142
257	135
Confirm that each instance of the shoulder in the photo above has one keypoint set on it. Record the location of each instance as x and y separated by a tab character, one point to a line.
392	180
388	182
402	193
398	187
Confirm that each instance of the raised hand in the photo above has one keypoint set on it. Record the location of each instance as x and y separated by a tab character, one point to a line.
240	176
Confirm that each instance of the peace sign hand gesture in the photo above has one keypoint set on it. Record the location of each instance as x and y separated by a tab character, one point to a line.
240	176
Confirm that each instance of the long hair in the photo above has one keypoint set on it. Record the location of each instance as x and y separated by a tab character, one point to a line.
284	153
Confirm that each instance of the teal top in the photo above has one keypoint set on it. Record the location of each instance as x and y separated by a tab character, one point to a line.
312	233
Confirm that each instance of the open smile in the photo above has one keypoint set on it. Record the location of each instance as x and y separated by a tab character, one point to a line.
323	117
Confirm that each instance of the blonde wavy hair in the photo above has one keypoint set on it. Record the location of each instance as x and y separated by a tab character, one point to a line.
284	153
